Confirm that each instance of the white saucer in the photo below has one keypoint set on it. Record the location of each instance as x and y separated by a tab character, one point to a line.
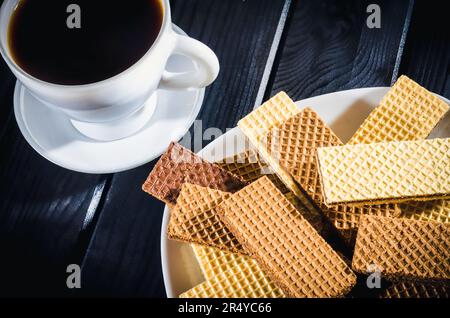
54	137
343	111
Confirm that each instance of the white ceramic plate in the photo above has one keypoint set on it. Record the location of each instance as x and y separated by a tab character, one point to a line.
343	111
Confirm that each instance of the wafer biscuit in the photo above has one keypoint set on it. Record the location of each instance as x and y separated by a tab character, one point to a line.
386	172
435	210
407	112
284	244
248	166
416	290
178	163
314	218
213	261
231	276
194	220
402	248
257	127
297	142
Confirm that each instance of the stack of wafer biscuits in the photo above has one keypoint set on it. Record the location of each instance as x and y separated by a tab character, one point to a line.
194	219
298	139
284	244
258	126
261	235
249	166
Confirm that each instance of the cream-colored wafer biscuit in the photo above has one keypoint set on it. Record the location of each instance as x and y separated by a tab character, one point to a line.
407	112
257	127
386	172
297	142
194	219
213	261
284	244
231	275
435	210
402	249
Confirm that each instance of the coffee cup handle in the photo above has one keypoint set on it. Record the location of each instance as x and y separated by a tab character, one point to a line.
206	61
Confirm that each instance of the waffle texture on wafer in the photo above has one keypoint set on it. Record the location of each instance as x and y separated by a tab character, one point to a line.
213	261
297	142
257	127
407	112
284	244
435	210
386	172
246	164
403	249
231	275
249	167
176	165
407	289
194	219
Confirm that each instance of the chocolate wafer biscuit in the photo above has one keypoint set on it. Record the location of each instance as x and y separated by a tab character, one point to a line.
402	248
416	290
386	172
284	244
257	127
231	276
297	142
194	219
407	112
178	163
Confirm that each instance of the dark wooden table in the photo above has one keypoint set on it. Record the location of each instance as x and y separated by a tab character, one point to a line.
51	217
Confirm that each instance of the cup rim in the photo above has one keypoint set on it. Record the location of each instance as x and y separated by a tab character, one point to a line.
10	61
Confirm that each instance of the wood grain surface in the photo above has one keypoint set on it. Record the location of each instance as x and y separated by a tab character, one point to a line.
329	47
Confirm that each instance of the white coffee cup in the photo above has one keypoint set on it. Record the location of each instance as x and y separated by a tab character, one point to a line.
117	98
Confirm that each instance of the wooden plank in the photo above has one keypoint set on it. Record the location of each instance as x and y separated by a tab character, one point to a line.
330	48
123	258
42	210
427	51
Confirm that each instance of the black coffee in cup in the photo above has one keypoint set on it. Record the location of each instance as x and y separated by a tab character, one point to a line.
75	42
